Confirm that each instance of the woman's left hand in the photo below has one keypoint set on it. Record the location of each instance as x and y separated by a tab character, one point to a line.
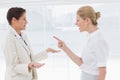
52	50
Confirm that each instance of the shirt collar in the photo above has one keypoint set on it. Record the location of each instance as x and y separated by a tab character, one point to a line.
94	33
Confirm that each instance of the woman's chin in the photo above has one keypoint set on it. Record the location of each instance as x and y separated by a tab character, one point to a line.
23	29
80	30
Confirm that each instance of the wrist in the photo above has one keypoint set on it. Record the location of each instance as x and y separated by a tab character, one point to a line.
65	48
47	50
29	66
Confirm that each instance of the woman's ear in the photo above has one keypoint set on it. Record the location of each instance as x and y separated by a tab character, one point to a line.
13	20
87	20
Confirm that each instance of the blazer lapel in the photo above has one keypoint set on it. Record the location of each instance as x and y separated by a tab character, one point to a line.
12	32
24	45
27	43
28	46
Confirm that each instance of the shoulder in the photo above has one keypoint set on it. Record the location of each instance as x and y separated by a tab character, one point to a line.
99	41
10	37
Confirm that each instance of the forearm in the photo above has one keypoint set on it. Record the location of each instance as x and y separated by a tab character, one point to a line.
101	77
76	59
102	73
40	56
21	69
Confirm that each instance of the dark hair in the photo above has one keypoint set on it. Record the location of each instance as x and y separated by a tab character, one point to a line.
15	12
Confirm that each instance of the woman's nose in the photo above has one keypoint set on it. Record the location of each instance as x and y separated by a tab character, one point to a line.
26	21
76	23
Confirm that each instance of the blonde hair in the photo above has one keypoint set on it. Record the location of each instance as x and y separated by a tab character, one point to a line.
88	12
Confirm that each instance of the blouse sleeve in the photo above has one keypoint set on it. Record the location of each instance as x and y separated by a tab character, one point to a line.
102	52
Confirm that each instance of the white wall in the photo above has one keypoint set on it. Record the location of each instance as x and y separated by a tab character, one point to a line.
57	17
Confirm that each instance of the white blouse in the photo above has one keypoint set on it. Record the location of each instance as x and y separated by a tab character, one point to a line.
95	53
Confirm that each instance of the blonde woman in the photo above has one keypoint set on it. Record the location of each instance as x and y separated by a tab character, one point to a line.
21	64
94	56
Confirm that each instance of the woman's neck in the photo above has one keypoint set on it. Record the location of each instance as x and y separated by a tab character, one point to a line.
92	28
17	30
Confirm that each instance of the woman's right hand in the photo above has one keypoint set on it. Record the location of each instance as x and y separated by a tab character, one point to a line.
35	65
61	43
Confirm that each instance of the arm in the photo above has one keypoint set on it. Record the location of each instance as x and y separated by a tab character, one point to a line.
76	59
102	51
102	73
36	57
44	54
40	56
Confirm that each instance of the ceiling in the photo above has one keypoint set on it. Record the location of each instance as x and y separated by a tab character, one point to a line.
4	3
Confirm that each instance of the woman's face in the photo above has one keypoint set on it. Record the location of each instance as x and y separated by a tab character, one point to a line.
82	25
20	24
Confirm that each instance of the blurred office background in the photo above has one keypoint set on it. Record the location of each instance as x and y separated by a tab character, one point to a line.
47	18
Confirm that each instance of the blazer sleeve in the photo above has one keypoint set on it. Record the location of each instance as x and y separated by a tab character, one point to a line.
12	58
40	56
